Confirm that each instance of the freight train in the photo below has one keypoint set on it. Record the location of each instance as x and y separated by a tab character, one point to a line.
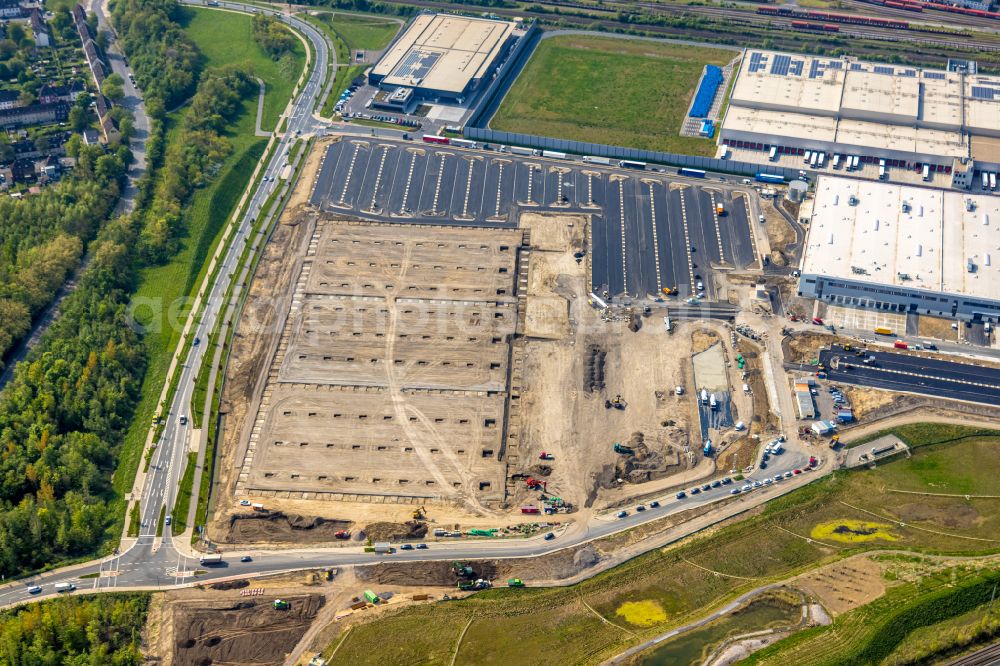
920	5
892	24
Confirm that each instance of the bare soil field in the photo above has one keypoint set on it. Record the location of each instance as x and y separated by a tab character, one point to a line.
390	381
247	631
568	383
843	586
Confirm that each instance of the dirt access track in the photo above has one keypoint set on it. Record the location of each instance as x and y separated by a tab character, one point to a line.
380	367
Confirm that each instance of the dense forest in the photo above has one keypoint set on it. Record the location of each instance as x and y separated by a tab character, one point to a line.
103	630
164	60
64	413
42	236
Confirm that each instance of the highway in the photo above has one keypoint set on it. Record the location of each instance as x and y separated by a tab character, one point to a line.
911	373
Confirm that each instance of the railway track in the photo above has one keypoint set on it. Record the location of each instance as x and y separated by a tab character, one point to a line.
949	19
988	656
729	16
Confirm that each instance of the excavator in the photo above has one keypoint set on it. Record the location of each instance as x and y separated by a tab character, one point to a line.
420	514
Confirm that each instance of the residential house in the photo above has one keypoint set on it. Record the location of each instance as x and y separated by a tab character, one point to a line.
9	99
10	9
39	30
35	114
23	171
49	94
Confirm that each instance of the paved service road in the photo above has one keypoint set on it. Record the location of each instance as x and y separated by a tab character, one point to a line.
914	374
648	231
155	563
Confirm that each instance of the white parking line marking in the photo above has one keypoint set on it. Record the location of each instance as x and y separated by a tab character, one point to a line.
350	172
404	210
687	238
437	188
378	177
718	233
656	245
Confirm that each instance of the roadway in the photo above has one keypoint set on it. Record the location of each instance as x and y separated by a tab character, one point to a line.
154	563
910	373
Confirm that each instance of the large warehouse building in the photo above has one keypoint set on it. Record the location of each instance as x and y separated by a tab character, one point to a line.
908	116
903	249
444	57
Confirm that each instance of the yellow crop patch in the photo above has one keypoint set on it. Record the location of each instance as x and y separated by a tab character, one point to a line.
852	531
642	613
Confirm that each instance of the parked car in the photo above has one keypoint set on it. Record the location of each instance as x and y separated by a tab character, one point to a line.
406	546
246	558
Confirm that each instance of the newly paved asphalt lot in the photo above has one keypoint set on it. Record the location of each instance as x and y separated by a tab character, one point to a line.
916	374
645	223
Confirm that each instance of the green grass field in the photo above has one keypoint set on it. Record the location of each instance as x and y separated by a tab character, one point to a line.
621	92
586	623
365	33
227	38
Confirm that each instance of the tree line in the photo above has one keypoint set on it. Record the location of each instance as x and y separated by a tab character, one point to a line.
65	411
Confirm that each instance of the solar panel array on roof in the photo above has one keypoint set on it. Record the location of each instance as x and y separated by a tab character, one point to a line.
814	70
757	62
796	67
935	75
855	67
908	72
781	64
834	64
980	92
882	69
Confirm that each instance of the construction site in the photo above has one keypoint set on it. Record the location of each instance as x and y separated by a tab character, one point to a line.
391	372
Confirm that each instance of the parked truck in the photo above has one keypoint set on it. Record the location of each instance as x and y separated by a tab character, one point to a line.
515	582
281	604
208	560
712	402
720	209
899	344
704	397
383	547
883	330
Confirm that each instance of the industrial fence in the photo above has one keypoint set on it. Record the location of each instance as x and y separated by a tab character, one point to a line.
488	135
506	75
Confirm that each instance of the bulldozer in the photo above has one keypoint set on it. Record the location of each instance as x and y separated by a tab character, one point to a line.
669	291
420	514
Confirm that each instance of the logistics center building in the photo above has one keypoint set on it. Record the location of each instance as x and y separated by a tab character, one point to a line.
442	56
903	249
906	115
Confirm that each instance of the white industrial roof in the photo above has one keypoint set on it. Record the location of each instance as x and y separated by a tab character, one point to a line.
781	123
444	51
927	246
897	96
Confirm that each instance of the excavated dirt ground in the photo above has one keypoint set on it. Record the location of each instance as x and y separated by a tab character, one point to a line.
245	631
271	526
